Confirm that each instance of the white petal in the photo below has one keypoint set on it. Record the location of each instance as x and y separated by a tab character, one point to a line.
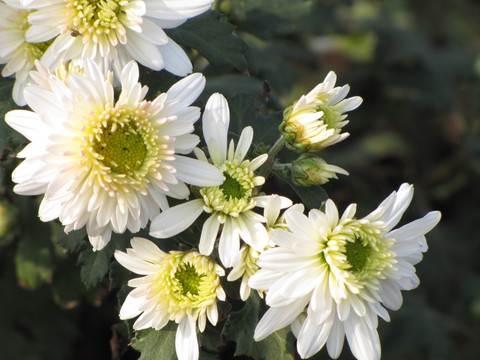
196	172
209	235
279	317
131	307
186	344
215	123
244	143
312	337
364	343
176	219
135	264
176	61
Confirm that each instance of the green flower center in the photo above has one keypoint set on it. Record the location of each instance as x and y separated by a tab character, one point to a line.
234	195
331	117
122	148
96	17
187	283
189	279
357	254
232	188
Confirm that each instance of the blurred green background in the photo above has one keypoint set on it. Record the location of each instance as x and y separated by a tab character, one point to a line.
417	66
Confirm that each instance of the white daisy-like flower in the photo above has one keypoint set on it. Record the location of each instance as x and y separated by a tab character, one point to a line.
114	31
103	163
316	120
177	286
16	52
230	204
246	266
331	276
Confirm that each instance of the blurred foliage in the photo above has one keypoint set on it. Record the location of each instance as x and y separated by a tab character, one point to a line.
417	66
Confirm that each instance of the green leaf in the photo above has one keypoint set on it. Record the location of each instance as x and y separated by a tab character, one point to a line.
34	260
213	39
156	344
250	110
95	265
240	328
312	197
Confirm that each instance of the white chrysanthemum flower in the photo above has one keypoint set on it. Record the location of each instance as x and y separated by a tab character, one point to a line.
230	204
331	277
103	163
16	52
114	31
316	120
246	266
177	286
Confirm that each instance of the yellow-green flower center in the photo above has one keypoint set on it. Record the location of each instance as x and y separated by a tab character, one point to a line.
234	195
187	283
123	149
357	254
97	17
189	279
231	188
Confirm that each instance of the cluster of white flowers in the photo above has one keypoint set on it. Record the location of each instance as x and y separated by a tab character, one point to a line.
109	163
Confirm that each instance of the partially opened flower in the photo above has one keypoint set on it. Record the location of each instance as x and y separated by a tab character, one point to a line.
246	265
331	276
177	286
16	52
103	163
316	120
114	31
229	204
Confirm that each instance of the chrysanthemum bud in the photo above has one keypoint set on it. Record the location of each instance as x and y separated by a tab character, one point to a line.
316	119
311	170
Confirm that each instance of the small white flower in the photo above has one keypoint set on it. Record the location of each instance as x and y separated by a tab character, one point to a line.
16	52
246	266
177	286
114	31
103	163
230	204
331	276
316	120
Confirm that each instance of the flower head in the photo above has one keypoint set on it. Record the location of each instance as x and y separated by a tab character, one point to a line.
16	52
178	286
229	204
331	276
316	120
103	163
114	31
311	170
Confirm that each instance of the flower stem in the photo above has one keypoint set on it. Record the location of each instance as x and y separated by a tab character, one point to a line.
272	153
